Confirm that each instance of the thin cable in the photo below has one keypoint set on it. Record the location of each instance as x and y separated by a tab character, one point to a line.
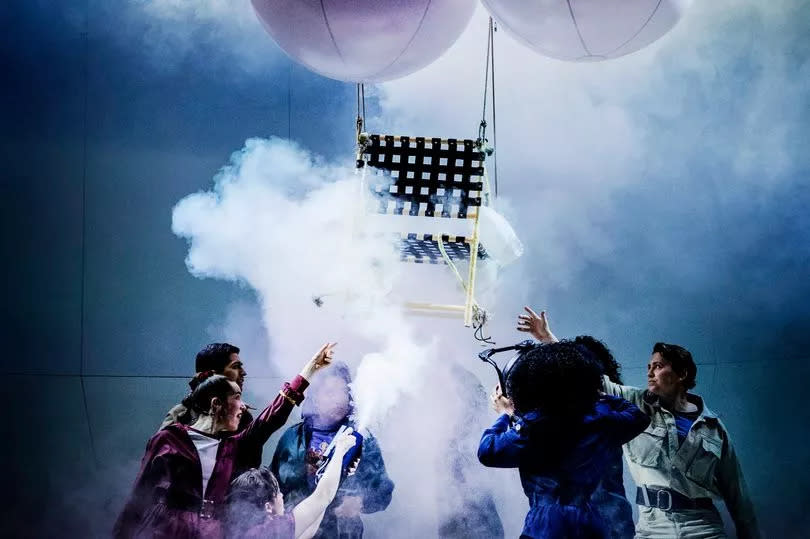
363	100
486	75
85	67
289	102
492	30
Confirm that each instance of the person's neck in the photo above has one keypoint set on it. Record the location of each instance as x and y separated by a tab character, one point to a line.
206	424
678	403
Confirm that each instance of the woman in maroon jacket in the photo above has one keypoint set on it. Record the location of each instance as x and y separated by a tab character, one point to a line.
184	477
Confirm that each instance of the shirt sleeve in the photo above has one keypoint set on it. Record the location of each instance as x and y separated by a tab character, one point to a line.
626	419
375	485
275	415
502	446
732	486
633	394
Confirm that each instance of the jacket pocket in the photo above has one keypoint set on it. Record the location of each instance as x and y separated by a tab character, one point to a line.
704	463
646	448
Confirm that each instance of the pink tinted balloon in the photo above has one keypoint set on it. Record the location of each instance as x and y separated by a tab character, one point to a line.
586	30
364	40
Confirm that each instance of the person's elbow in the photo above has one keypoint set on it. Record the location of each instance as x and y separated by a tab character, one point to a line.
486	456
642	421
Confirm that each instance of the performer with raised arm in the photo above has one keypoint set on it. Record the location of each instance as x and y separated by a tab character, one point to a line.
186	470
300	453
685	458
560	433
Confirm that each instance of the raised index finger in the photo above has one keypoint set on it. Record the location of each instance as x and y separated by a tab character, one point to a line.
531	312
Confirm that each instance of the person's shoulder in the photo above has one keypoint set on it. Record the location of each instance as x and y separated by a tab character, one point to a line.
177	409
172	430
529	421
293	430
169	436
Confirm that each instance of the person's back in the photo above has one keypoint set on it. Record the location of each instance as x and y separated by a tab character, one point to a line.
568	460
610	500
561	437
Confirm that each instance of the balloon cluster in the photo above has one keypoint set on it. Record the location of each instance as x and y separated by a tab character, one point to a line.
362	41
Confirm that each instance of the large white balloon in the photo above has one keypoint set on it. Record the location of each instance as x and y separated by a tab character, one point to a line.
364	40
586	30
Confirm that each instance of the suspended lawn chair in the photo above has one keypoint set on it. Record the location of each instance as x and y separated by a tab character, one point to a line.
435	179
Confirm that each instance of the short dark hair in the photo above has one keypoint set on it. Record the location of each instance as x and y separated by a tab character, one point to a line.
681	360
246	498
600	353
555	379
215	357
204	388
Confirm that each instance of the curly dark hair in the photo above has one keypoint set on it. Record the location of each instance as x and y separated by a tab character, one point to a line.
598	351
555	379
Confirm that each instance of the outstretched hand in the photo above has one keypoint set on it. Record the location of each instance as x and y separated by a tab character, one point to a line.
322	358
536	325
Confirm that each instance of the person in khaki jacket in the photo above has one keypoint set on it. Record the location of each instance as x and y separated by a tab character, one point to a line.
684	459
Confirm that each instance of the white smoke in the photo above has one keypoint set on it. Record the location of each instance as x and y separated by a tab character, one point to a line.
295	230
570	138
177	31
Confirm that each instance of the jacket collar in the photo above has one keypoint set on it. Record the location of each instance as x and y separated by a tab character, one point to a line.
704	412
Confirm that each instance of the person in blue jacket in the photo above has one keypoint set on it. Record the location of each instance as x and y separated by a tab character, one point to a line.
300	452
609	498
561	434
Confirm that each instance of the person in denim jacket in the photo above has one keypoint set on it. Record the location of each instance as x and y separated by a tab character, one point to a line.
561	435
300	452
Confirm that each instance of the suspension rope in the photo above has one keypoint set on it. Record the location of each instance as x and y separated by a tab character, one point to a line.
363	100
361	108
492	29
482	131
489	85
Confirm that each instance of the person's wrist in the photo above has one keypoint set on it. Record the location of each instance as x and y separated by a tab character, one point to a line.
307	372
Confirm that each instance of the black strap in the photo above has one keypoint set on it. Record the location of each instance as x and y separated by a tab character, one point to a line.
670	500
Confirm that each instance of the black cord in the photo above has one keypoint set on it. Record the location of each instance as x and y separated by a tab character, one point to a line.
486	82
492	30
479	320
363	101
